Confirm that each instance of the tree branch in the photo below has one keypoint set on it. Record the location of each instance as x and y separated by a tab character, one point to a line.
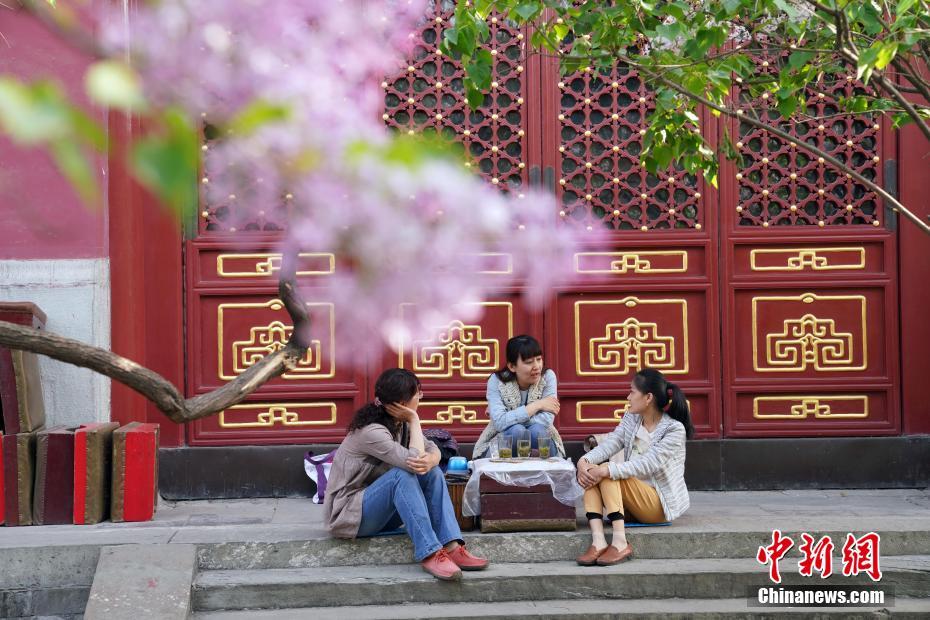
156	388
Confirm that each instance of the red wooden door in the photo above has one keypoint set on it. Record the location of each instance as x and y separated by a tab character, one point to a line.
772	323
811	303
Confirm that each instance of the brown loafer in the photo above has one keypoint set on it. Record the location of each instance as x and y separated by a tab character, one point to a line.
612	555
589	557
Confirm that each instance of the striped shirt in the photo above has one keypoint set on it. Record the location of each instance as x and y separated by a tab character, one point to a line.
664	461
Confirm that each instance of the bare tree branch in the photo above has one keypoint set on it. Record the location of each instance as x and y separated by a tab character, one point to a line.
156	388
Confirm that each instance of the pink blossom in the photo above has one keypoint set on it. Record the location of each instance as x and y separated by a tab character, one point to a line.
406	235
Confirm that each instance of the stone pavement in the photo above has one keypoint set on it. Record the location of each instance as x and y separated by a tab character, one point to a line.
267	519
50	569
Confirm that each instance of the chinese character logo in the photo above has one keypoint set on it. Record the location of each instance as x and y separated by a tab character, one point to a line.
774	552
860	555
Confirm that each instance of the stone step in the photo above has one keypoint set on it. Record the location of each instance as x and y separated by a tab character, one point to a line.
650	543
574	609
407	583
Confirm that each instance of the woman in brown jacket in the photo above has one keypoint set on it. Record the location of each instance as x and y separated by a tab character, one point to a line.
385	474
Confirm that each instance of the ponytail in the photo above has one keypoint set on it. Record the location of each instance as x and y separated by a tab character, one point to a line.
677	408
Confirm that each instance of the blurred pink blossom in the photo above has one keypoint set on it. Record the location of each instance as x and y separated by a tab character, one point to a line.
404	233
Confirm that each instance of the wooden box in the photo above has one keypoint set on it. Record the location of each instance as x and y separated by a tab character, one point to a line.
19	458
93	453
53	497
522	509
135	472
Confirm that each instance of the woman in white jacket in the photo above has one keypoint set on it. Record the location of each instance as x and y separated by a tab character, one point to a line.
650	484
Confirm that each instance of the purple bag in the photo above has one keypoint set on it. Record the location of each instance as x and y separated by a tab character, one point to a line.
317	468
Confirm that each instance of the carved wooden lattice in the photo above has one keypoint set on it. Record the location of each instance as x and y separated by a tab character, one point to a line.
780	184
221	214
602	117
429	95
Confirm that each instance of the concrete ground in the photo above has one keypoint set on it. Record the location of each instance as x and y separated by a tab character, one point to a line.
260	520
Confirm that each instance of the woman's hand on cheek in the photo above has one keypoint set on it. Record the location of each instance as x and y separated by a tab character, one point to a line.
399	412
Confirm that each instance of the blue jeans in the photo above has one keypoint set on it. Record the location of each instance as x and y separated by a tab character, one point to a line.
421	502
536	431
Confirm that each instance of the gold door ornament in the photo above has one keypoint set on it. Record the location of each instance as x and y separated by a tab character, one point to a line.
265	264
460	348
800	259
449	412
269	338
809	407
643	261
632	343
810	341
604	411
279	414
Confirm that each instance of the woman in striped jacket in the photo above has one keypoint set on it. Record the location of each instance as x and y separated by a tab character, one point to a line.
649	484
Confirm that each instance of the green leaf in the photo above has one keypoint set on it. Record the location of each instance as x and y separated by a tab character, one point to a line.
33	114
527	10
76	166
256	115
167	162
479	69
799	58
904	6
114	84
474	96
788	105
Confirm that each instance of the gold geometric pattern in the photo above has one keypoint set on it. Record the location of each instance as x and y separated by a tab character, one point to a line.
810	341
451	412
619	263
816	259
632	344
616	408
460	348
251	265
804	407
266	339
271	414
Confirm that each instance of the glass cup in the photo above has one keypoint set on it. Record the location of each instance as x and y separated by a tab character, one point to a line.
504	446
544	447
523	445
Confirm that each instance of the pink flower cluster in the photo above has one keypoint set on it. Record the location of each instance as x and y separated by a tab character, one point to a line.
413	233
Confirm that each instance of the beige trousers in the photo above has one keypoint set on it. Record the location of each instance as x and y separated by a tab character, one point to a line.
629	496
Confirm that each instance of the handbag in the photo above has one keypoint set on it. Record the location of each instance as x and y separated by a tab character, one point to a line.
317	468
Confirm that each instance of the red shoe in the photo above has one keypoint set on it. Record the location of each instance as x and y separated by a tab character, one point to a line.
441	567
465	560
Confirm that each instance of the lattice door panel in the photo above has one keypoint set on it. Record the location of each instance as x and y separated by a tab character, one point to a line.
601	121
810	339
780	184
429	96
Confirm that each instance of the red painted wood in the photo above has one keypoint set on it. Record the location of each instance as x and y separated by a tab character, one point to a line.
2	485
146	290
54	484
141	473
913	172
80	476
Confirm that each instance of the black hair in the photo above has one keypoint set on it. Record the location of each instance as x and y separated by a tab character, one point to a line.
668	396
394	385
519	347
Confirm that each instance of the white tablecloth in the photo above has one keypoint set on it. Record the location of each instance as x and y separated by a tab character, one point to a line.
559	474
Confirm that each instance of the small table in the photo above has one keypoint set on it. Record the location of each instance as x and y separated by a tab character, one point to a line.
521	495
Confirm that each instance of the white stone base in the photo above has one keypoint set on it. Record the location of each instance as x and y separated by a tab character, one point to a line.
75	294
